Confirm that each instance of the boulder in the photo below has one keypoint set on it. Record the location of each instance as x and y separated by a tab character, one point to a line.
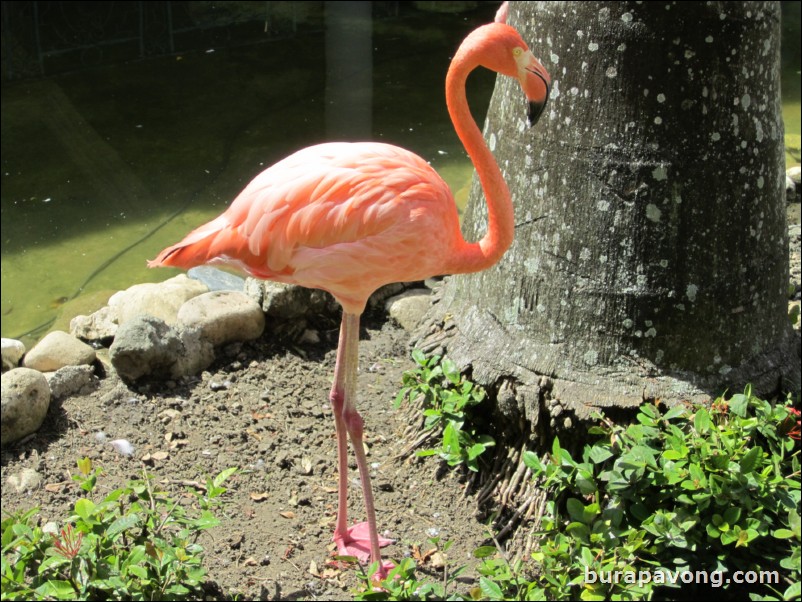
56	350
13	350
25	401
100	326
408	308
289	301
71	380
146	346
223	316
161	300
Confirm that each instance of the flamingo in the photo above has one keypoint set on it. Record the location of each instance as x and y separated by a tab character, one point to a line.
349	218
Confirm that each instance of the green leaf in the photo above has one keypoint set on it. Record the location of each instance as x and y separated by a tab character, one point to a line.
701	422
592	594
476	450
450	371
639	511
490	589
450	438
555	448
53	588
732	515
125	522
599	454
750	459
484	551
138	571
793	592
587	556
575	509
586	483
206	520
85	509
532	461
795	522
219	479
739	405
675	412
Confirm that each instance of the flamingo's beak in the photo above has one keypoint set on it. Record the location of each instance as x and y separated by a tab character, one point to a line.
536	84
534	112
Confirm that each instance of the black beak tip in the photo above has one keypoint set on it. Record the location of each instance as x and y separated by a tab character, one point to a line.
534	112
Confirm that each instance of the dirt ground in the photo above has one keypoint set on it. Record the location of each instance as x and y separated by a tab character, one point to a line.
263	408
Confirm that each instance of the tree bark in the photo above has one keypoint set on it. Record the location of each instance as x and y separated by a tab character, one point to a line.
651	256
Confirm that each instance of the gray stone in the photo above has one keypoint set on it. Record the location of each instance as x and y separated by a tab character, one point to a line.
72	380
198	353
98	326
27	480
289	301
25	401
223	316
56	350
13	350
161	300
409	307
217	280
147	346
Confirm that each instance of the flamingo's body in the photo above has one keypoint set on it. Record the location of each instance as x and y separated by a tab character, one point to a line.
342	217
351	217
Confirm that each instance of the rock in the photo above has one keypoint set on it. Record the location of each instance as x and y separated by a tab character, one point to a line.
25	400
161	300
795	173
289	301
144	346
83	304
383	293
409	307
27	480
217	280
794	311
100	326
13	350
56	350
147	346
793	188
72	380
223	316
198	353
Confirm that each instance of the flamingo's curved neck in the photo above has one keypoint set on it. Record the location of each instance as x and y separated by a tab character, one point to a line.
473	257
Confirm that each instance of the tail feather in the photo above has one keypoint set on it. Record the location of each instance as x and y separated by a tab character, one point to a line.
198	247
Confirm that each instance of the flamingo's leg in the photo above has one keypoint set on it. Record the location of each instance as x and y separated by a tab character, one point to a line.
361	540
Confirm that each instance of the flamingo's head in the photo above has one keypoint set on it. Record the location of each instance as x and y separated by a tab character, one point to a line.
499	47
534	80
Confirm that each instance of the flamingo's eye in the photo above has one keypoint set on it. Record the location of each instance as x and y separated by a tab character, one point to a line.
516	52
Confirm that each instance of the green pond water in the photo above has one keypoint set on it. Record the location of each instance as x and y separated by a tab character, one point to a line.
104	167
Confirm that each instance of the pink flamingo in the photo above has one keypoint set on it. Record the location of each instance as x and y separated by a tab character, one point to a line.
349	218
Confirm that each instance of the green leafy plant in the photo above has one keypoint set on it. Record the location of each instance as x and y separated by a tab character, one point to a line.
447	398
690	489
501	580
402	582
135	544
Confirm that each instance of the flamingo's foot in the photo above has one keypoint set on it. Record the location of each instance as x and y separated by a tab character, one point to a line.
381	572
356	542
